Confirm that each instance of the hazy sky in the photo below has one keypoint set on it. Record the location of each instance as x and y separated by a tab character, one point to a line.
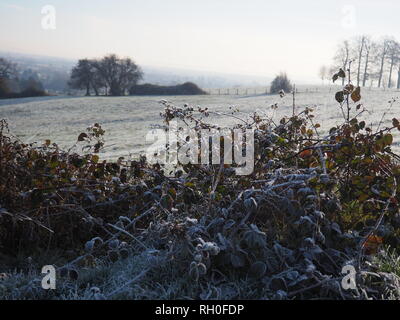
255	37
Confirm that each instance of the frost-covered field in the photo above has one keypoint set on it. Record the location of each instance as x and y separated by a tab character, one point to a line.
128	119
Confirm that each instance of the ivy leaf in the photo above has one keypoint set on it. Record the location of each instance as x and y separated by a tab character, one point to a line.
395	122
341	73
335	77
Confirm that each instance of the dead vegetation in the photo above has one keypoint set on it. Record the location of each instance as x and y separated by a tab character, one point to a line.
312	205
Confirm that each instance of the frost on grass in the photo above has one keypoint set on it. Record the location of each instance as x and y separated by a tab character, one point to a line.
124	230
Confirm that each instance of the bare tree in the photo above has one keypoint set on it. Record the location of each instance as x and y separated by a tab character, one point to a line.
384	48
7	69
398	77
393	57
118	74
369	48
323	73
342	56
360	43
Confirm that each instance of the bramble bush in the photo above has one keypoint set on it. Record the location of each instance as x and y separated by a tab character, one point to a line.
313	204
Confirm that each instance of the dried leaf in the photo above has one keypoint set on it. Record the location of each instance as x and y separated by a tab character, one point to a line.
339	96
355	96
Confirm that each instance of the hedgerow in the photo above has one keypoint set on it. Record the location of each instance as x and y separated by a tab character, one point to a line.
314	203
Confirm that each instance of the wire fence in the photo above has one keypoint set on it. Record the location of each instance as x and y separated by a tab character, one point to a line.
252	91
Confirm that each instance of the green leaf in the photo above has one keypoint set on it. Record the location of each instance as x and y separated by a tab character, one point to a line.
95	158
388	139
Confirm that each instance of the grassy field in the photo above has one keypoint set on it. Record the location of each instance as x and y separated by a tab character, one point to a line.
128	119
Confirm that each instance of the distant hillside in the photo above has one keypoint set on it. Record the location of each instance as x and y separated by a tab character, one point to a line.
187	88
205	79
54	73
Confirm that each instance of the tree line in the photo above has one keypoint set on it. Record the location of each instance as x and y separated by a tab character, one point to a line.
375	62
15	83
111	75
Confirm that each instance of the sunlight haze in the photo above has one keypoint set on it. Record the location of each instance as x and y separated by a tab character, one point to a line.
242	37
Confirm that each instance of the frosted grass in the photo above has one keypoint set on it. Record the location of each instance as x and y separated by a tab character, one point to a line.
128	119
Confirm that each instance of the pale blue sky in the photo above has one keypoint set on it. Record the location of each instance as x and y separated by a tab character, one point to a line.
259	37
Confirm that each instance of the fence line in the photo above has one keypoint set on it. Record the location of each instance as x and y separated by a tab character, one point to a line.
258	91
243	91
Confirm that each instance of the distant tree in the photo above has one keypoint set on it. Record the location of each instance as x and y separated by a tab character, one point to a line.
119	74
98	81
383	52
369	51
393	58
398	77
323	73
30	84
373	61
4	89
342	56
7	72
359	48
281	82
7	69
16	84
83	76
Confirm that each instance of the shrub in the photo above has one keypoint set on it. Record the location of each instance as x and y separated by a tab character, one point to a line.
4	89
281	82
187	88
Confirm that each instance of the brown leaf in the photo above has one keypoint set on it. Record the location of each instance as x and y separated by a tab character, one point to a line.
349	88
355	96
341	73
